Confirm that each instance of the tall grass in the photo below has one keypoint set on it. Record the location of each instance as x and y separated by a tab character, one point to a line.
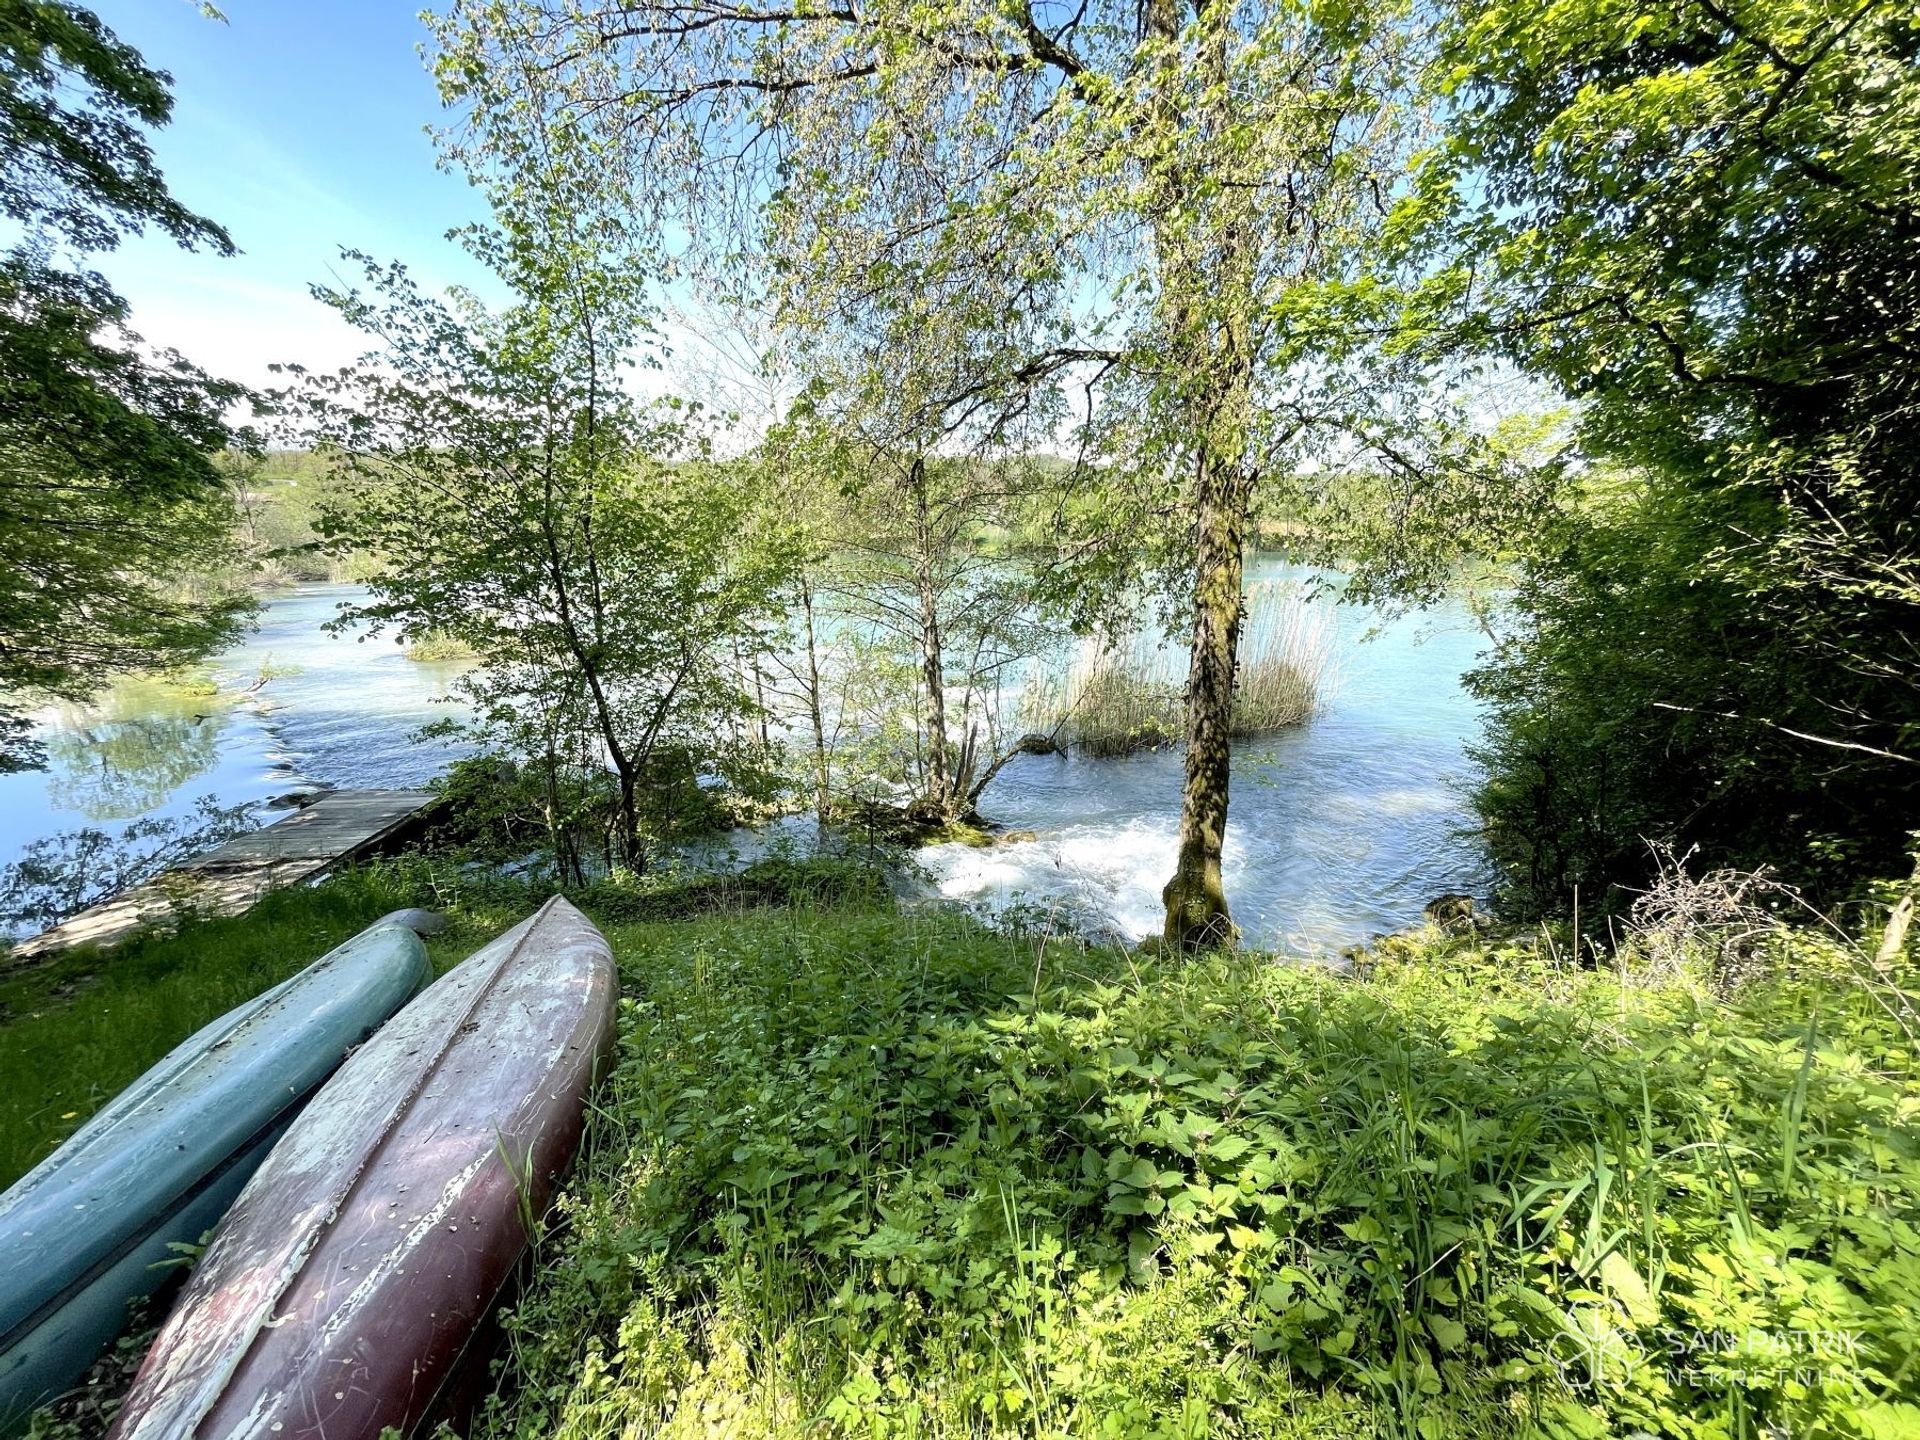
437	646
1115	701
1122	697
1287	663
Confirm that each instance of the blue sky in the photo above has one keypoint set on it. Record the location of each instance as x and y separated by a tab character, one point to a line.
300	125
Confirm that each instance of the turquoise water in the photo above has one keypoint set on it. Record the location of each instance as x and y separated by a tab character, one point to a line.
332	709
1340	829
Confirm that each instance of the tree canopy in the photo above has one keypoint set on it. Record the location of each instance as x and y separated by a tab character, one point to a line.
1155	222
106	449
1700	221
578	542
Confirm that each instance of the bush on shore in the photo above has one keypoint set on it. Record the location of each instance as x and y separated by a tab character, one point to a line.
436	646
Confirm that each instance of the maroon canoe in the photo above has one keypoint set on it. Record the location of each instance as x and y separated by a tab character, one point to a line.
339	1294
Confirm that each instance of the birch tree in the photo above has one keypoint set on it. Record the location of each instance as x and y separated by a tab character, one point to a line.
601	567
1156	218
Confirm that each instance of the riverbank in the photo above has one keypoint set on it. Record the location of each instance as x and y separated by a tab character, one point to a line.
863	1173
1342	828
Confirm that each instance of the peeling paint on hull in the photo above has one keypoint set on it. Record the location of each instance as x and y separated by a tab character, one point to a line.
160	1163
356	1267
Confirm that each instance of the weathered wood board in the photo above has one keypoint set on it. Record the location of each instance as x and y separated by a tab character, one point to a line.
340	826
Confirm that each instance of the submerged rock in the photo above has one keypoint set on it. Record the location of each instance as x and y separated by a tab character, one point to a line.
1454	912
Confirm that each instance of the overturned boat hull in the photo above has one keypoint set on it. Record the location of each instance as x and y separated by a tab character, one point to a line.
357	1267
82	1233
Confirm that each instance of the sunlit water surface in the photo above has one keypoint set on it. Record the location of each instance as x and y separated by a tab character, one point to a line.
333	709
1339	829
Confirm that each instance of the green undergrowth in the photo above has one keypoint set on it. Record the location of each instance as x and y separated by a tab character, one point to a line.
76	1030
871	1175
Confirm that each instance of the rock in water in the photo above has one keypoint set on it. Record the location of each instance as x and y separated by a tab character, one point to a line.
1452	912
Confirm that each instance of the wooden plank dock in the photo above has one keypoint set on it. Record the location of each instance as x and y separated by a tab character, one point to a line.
338	827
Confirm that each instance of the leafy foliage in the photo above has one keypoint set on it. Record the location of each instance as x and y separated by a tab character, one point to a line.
582	545
1699	220
76	102
279	500
106	451
870	1176
1146	226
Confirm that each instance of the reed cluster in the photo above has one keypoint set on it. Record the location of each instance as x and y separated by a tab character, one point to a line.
1122	697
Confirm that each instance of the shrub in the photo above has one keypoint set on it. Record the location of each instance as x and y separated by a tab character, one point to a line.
1113	704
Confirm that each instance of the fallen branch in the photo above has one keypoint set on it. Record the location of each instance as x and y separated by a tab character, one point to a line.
1788	730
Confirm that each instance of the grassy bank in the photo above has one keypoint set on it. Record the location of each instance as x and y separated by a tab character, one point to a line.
861	1173
866	1175
77	1030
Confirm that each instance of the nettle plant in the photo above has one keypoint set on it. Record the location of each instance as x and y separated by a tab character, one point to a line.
887	1176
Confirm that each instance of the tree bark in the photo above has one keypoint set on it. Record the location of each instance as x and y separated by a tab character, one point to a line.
585	655
935	804
1206	280
1197	916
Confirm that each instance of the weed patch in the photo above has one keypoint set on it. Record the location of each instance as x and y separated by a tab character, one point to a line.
861	1174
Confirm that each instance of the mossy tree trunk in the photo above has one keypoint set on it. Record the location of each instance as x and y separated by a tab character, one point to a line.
1197	916
816	719
1206	267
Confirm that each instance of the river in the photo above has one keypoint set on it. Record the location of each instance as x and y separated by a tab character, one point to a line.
1340	829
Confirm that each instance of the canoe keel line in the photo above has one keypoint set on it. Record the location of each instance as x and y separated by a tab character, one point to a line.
356	1267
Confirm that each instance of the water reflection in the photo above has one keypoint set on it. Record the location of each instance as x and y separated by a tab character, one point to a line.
333	710
122	756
